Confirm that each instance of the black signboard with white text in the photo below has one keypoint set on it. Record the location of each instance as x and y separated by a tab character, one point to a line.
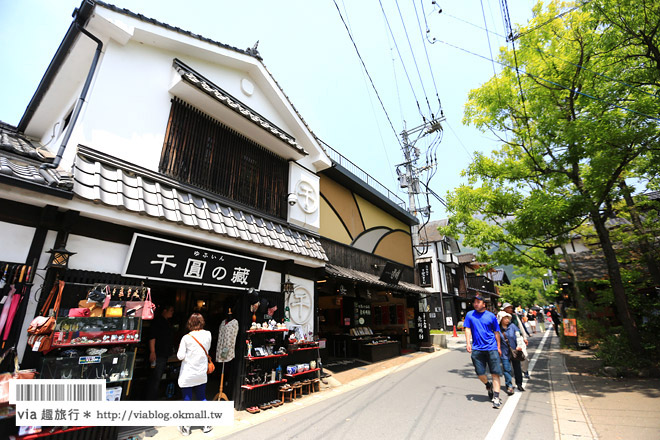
425	274
391	274
166	260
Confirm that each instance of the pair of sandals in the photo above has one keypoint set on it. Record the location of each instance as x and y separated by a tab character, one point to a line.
271	404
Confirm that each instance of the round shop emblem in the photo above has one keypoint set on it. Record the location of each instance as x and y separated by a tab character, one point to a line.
307	197
300	304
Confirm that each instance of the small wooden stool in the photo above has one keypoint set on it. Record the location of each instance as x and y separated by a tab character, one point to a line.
306	387
286	393
316	385
297	390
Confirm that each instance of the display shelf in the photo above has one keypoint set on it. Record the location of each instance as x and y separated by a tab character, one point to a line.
268	331
305	348
252	358
77	332
113	367
251	387
304	372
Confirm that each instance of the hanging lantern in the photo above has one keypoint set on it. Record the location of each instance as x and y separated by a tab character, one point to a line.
287	286
59	258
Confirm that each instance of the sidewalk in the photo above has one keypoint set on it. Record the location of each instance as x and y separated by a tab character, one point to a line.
336	384
618	408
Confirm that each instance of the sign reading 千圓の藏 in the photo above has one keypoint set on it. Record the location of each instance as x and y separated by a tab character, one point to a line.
160	259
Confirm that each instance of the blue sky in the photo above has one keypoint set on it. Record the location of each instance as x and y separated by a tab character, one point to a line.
307	49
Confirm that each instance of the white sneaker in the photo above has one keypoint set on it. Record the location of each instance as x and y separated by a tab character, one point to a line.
497	402
207	429
184	430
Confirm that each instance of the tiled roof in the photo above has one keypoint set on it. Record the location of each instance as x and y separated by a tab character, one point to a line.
430	233
107	180
653	195
21	159
194	78
367	278
467	258
587	265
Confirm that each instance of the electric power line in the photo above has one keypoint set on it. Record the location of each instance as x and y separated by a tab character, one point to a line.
412	53
367	72
550	82
428	60
632	86
401	58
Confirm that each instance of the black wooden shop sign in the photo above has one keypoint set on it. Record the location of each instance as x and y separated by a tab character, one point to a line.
166	260
391	274
425	274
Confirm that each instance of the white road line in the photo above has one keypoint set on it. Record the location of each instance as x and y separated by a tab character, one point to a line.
506	412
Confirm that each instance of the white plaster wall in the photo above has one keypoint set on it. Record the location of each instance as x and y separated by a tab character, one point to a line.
128	107
96	255
15	243
306	211
303	292
271	281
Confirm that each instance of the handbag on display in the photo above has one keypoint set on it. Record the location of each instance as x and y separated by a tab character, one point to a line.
16	374
211	366
115	309
79	312
97	295
44	325
141	309
95	310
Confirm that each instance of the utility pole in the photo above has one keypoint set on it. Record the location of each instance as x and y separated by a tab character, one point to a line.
409	179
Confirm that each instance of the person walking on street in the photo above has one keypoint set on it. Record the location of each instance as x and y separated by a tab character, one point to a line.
161	343
482	334
504	320
192	352
515	319
540	317
531	318
514	339
555	319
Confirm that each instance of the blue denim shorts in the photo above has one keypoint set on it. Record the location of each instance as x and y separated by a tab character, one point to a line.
482	358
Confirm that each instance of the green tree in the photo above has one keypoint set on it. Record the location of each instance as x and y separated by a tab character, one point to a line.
523	292
573	113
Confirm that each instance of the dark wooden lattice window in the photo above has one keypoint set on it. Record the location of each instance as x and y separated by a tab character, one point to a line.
200	151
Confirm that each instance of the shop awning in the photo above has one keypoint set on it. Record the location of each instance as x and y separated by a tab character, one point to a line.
367	278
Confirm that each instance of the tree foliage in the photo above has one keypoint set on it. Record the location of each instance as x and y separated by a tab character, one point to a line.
575	110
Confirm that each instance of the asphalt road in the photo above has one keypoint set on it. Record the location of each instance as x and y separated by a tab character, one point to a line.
440	398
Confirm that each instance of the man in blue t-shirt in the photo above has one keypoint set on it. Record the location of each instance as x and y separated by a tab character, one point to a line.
482	333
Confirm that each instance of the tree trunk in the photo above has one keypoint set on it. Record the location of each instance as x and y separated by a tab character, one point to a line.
644	245
620	299
577	297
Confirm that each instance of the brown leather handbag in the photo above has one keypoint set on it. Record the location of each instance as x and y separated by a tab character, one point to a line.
41	328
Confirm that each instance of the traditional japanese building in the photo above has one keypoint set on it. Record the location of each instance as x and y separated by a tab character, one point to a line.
157	158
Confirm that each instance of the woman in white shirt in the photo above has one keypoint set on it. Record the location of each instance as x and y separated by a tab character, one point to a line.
192	376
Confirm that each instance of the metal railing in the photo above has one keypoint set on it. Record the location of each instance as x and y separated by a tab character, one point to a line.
362	175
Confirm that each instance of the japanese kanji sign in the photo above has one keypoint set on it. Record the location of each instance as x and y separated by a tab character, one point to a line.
391	274
160	259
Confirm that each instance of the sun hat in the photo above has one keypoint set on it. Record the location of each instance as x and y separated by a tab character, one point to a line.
501	315
505	305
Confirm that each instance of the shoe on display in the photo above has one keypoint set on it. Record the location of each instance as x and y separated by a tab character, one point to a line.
497	402
207	429
489	388
184	430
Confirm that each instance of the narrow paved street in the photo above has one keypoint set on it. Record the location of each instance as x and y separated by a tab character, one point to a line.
440	398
